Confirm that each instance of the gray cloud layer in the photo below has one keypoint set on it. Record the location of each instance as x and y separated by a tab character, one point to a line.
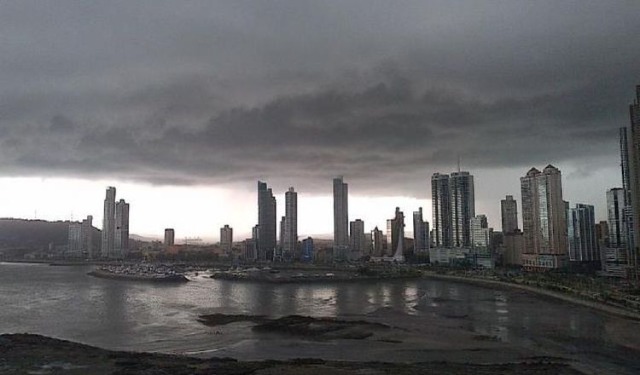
301	91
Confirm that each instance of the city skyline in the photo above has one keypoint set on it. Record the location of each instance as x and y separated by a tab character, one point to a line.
300	186
376	217
192	117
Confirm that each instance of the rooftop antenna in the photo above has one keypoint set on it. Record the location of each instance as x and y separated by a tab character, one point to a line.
458	162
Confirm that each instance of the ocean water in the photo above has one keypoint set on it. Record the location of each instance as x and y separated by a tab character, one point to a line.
66	303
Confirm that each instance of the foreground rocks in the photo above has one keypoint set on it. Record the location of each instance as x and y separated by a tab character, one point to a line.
34	354
302	326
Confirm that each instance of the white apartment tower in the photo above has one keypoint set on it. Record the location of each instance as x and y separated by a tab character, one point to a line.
544	219
108	223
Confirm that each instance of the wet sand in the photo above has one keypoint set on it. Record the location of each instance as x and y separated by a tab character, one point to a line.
34	354
548	293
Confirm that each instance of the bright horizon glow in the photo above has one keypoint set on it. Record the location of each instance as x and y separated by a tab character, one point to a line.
193	211
200	211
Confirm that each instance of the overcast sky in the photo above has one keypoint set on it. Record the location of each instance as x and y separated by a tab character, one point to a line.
181	97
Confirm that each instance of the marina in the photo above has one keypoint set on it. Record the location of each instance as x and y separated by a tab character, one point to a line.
140	272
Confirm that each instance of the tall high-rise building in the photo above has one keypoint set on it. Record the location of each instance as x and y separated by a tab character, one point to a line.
440	200
121	235
250	249
397	248
108	223
388	237
626	186
480	233
226	239
357	239
602	234
463	207
368	244
420	233
544	219
453	200
307	250
624	165
169	237
278	253
266	222
581	233
87	237
290	234
378	242
340	219
615	218
634	177
513	248
74	247
509	210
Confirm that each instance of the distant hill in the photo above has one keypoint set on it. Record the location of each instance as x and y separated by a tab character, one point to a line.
20	235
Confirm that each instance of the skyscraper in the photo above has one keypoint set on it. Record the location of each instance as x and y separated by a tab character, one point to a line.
440	196
420	233
602	233
340	219
307	250
357	239
226	239
290	232
121	235
87	237
544	219
509	210
278	253
463	207
480	234
108	223
266	222
627	218
615	218
378	242
169	237
397	249
74	247
624	164
634	177
250	250
581	230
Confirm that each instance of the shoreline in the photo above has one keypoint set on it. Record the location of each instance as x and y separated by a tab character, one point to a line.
311	280
30	353
602	307
115	276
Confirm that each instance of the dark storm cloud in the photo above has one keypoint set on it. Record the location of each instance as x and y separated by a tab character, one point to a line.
296	91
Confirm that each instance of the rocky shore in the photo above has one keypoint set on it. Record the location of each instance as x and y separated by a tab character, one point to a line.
303	326
138	274
34	354
288	276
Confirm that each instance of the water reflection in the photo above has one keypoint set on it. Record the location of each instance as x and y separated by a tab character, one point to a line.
66	303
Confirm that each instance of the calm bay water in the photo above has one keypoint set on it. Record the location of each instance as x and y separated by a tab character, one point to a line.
64	302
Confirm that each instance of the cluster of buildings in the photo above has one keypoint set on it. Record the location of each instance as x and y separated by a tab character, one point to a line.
114	242
350	242
554	234
264	244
